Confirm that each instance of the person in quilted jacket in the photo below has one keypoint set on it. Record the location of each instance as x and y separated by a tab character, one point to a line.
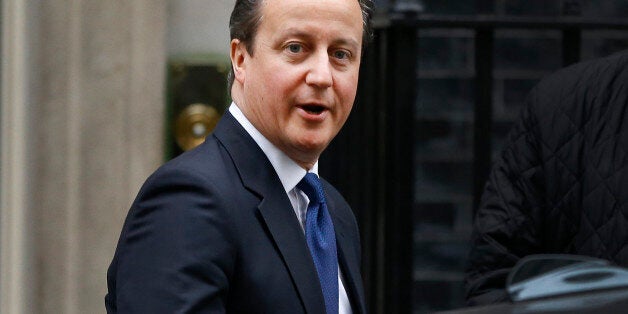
561	183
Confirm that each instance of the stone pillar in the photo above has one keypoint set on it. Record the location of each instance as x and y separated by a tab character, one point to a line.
16	240
96	123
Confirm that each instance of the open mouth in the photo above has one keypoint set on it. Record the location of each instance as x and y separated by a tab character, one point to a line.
313	109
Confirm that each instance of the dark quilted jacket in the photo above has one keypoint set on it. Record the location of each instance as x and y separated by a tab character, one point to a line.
561	183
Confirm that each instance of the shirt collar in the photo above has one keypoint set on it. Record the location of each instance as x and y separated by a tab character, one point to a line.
289	172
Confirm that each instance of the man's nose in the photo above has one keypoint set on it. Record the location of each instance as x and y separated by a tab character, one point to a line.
320	71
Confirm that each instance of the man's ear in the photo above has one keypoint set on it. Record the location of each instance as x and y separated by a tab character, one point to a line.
238	58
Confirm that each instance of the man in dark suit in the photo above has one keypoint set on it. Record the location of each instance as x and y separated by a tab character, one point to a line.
242	223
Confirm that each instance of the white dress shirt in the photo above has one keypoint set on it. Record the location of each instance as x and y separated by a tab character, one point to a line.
290	174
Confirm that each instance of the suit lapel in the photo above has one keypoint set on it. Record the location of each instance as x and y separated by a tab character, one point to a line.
291	242
349	262
258	175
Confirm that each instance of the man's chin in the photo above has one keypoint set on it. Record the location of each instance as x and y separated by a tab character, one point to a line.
308	150
313	145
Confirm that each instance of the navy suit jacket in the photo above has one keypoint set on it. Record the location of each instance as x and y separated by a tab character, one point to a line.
213	231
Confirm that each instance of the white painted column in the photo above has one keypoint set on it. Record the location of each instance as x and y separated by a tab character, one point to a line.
15	239
82	127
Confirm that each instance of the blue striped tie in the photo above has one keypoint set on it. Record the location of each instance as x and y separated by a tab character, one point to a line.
321	239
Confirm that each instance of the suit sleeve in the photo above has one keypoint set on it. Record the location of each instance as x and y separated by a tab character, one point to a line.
506	226
176	251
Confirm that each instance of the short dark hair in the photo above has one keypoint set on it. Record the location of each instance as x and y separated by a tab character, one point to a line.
246	16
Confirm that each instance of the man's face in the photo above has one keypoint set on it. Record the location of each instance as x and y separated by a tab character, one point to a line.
299	85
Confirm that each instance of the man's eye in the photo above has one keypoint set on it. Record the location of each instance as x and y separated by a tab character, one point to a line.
341	54
294	48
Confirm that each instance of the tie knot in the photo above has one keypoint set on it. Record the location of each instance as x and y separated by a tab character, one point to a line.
311	186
